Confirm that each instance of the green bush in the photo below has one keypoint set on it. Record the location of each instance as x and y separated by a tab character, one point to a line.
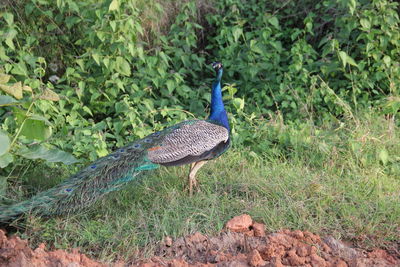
300	59
88	76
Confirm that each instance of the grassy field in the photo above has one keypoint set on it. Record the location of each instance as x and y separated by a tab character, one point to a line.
340	179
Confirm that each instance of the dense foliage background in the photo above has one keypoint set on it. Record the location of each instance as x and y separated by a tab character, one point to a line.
85	77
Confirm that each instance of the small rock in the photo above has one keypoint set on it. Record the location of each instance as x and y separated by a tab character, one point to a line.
340	249
312	250
237	263
317	261
259	229
310	237
286	231
326	248
275	262
268	252
294	259
282	239
168	241
302	251
254	259
340	263
220	258
178	263
357	262
239	224
297	234
249	233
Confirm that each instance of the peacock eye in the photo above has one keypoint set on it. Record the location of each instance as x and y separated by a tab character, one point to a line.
121	150
68	190
93	166
136	145
147	140
115	156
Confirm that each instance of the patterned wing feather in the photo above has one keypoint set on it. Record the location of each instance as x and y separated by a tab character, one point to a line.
189	140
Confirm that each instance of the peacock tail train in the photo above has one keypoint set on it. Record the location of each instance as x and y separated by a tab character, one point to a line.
106	174
186	142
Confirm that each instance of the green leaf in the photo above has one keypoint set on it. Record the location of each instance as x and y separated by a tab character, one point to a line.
113	25
352	6
343	57
140	52
101	152
20	69
27	88
346	59
384	156
47	154
40	118
36	129
29	8
6	100
85	108
5	160
237	32
9	38
81	64
238	103
9	18
15	90
4	142
170	85
123	67
49	95
274	22
114	5
365	23
351	61
74	6
96	58
106	62
255	48
71	21
4	78
387	60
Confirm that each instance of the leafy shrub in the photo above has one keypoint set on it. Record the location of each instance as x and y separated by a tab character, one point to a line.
302	59
97	75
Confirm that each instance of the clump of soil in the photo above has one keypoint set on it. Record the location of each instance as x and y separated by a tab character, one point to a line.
15	252
243	243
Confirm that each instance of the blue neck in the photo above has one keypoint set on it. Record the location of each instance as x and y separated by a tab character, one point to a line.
218	112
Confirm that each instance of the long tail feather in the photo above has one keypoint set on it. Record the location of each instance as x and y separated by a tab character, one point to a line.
106	174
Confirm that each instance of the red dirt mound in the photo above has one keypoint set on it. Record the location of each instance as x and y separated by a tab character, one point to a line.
242	243
15	252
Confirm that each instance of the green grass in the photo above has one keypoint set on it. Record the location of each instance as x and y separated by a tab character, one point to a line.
340	179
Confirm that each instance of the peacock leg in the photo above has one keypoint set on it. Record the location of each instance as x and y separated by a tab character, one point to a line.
194	167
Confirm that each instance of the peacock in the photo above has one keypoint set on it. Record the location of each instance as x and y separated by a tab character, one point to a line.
191	142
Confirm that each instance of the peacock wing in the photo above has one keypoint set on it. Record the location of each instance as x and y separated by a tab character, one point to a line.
188	143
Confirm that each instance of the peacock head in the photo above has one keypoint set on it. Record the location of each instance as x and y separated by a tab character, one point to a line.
217	66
